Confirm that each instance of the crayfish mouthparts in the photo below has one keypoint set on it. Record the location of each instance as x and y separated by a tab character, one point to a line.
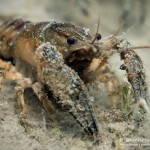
66	85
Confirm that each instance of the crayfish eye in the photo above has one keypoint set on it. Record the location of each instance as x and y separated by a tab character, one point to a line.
71	40
98	36
123	67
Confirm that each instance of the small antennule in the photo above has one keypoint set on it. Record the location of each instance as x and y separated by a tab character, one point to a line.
98	23
118	31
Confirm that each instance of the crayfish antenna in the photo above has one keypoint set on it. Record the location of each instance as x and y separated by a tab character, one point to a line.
98	24
138	47
119	30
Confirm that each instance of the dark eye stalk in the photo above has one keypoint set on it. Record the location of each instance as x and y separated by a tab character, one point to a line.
98	36
123	67
71	40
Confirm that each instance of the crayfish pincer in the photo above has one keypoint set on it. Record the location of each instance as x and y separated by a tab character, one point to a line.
67	86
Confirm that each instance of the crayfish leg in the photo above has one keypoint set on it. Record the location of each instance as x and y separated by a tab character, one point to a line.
114	88
2	73
22	85
8	71
42	96
99	70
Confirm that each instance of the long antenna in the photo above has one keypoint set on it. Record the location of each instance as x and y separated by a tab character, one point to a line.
138	47
98	24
